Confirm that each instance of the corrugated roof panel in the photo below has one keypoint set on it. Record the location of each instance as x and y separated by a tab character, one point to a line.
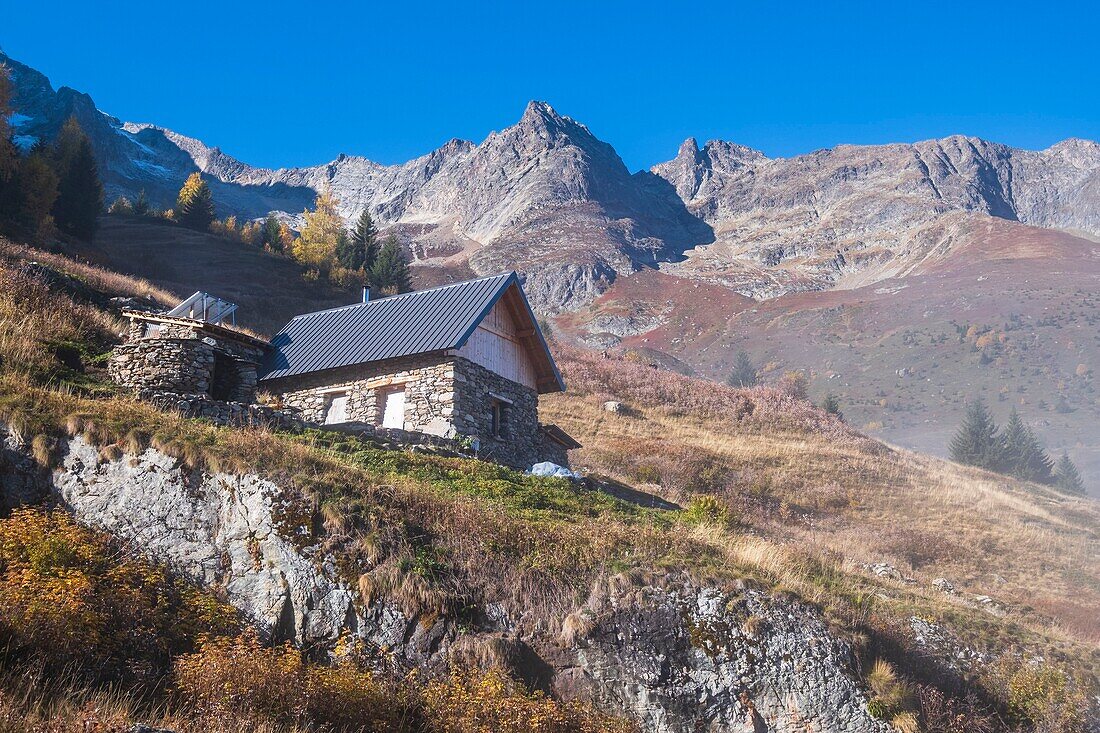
400	325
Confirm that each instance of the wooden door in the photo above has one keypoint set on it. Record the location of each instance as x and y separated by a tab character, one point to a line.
337	409
394	414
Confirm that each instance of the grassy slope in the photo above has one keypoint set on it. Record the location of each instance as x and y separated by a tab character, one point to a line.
1031	549
802	500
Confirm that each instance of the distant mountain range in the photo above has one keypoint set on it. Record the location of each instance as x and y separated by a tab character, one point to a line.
548	198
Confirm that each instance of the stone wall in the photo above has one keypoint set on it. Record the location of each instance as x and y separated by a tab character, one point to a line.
428	382
476	389
551	450
444	395
236	414
183	359
163	364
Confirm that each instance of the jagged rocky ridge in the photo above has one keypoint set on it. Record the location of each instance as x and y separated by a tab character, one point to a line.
812	221
546	197
677	657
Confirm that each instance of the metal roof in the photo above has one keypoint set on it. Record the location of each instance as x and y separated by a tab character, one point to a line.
401	325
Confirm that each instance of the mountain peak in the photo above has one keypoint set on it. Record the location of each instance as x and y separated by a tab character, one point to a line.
537	110
542	118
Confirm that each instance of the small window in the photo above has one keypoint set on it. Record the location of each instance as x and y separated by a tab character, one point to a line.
500	418
153	330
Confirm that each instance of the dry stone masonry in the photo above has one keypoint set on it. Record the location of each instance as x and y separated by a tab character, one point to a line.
186	356
445	396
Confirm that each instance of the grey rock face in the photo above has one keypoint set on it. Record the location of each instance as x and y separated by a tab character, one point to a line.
547	198
222	531
700	659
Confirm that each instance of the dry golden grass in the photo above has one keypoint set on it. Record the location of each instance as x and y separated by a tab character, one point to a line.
1028	547
793	498
97	278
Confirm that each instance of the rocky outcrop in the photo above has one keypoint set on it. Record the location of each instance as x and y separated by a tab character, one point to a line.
678	657
692	658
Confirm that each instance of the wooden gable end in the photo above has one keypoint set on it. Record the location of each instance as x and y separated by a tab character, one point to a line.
506	341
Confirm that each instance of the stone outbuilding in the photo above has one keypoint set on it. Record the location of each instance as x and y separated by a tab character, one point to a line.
186	355
465	361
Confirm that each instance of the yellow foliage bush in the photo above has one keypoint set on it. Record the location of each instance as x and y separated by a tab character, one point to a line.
490	702
69	597
1045	697
241	680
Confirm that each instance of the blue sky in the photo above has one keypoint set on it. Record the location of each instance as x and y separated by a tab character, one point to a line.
281	83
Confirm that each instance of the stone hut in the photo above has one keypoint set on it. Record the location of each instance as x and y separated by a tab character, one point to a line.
184	354
461	361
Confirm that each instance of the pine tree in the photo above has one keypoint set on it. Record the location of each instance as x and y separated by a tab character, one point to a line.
744	373
195	204
317	242
9	158
269	234
360	249
1014	445
1066	476
141	204
831	405
121	205
1022	454
79	192
977	442
390	272
1038	466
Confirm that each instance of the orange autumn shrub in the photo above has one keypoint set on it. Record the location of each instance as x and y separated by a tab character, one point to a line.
241	683
71	598
490	702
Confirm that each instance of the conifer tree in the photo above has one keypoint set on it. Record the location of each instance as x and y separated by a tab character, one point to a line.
9	158
321	235
1014	445
269	234
390	272
79	192
121	205
141	204
1022	454
195	204
744	373
977	442
1066	476
359	250
831	405
35	185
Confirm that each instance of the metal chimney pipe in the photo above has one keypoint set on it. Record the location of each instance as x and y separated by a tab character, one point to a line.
366	294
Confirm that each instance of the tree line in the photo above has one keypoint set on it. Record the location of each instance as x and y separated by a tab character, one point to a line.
324	245
1014	450
53	188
